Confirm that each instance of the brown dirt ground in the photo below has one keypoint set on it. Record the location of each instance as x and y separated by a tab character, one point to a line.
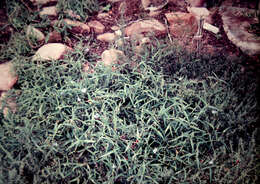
210	44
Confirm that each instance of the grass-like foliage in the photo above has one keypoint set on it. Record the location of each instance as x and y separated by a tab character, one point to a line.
173	118
83	8
18	15
188	123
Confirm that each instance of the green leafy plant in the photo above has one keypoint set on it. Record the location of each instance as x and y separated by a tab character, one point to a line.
148	124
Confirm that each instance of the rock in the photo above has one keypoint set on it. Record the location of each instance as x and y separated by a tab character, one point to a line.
236	23
54	37
9	106
182	24
151	26
139	49
115	28
97	26
210	28
49	11
196	3
146	3
199	11
7	76
251	4
34	34
107	37
154	13
154	5
179	18
145	40
112	56
104	16
42	2
77	26
51	51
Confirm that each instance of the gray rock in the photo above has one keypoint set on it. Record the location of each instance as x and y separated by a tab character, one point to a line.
236	22
49	11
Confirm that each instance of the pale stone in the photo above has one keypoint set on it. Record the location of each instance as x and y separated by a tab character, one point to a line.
154	13
104	16
41	2
236	23
49	11
7	76
199	11
154	5
152	26
97	26
51	51
107	37
115	28
146	3
112	56
210	28
77	26
10	106
32	32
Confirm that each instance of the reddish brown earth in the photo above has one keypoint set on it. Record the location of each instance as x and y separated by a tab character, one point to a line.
210	42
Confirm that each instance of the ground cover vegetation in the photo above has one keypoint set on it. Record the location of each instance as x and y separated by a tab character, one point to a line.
175	117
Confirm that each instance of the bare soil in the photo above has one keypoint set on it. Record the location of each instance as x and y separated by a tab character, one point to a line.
210	43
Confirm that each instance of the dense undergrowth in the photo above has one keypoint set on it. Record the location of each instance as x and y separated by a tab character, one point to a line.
175	117
191	122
